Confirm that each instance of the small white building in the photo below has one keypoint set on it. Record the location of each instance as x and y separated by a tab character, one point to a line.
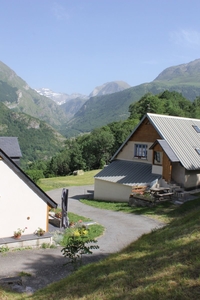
22	203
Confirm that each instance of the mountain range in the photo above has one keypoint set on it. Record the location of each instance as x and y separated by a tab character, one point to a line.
101	110
107	103
72	103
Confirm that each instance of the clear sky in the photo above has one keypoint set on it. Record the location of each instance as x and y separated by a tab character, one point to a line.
72	46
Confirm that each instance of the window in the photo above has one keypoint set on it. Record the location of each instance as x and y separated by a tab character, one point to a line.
140	151
198	150
157	157
196	128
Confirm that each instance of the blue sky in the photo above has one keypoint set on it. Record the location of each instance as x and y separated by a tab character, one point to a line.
72	46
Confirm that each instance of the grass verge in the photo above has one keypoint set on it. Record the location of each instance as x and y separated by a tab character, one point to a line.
164	211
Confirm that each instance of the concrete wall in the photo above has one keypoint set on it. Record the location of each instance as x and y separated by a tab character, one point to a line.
129	150
157	169
192	179
20	207
109	191
187	179
178	174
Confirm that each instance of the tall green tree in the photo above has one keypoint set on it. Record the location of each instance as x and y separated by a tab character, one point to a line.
169	103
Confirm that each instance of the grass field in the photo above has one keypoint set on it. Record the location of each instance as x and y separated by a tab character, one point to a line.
47	184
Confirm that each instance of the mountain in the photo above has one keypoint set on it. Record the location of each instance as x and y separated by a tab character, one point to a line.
72	106
16	94
72	103
107	103
60	98
101	110
106	88
185	73
109	88
38	140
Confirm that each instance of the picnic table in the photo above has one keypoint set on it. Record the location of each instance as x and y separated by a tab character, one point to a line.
160	193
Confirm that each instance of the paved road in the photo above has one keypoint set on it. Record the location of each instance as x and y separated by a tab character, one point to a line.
46	265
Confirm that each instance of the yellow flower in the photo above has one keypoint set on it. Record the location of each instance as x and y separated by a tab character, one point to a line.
85	232
76	233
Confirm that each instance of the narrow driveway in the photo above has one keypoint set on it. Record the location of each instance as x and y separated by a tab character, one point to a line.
46	265
120	228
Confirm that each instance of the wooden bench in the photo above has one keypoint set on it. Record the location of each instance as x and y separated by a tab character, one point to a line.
163	195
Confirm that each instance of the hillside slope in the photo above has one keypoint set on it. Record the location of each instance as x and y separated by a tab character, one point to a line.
18	96
37	140
161	265
109	88
185	73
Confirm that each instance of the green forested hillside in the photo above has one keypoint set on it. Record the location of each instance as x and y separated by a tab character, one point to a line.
18	96
99	111
38	141
94	150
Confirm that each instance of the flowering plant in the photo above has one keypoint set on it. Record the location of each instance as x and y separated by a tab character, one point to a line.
77	244
39	231
19	232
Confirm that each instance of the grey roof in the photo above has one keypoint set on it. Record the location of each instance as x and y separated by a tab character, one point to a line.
10	146
164	145
128	173
18	171
180	136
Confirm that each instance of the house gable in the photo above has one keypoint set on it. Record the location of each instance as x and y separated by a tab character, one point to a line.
136	147
27	180
145	132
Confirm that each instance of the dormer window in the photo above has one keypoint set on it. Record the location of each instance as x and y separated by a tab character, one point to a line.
140	151
196	128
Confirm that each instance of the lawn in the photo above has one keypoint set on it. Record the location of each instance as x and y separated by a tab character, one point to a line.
164	211
47	184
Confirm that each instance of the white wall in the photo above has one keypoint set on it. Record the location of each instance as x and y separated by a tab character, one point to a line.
192	179
178	173
18	203
109	191
157	169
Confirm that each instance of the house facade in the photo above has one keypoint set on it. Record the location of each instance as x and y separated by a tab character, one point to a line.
160	150
22	203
